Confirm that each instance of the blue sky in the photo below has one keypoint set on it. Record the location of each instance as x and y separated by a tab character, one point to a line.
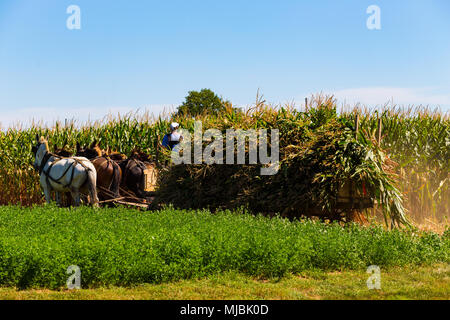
149	54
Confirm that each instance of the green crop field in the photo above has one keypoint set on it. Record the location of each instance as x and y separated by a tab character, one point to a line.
123	247
125	253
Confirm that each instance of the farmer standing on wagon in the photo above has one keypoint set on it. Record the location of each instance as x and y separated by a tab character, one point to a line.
172	139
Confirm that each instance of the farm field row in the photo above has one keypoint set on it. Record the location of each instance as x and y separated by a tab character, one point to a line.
124	247
419	282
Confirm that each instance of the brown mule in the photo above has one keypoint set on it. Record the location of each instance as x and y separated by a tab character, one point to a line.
109	173
116	156
62	152
133	172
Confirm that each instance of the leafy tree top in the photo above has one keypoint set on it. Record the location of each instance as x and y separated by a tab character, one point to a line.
198	102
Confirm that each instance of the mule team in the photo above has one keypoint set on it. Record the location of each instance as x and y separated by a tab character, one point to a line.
91	171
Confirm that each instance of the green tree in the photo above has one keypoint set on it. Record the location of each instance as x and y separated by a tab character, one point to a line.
198	102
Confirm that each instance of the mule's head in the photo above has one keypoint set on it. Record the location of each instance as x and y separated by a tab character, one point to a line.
39	150
62	152
140	155
98	151
89	152
115	155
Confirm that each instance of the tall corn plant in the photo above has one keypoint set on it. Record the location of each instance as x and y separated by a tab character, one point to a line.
418	139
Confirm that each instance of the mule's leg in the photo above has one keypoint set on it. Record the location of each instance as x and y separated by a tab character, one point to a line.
92	186
69	199
58	198
75	196
138	187
93	198
47	194
116	180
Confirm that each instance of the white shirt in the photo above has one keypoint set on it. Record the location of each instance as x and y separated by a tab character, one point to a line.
175	136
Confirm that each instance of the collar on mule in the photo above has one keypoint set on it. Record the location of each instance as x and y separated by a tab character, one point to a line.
44	161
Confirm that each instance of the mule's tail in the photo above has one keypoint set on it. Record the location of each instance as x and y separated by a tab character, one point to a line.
92	186
116	179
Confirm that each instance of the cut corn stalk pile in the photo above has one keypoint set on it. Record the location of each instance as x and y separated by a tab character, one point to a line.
318	155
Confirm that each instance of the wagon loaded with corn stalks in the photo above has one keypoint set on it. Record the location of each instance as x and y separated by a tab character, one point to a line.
328	169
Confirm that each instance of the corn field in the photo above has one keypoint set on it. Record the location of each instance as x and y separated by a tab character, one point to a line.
416	139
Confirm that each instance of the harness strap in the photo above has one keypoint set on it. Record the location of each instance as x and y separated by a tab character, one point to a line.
44	161
111	162
48	176
140	164
75	162
137	163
